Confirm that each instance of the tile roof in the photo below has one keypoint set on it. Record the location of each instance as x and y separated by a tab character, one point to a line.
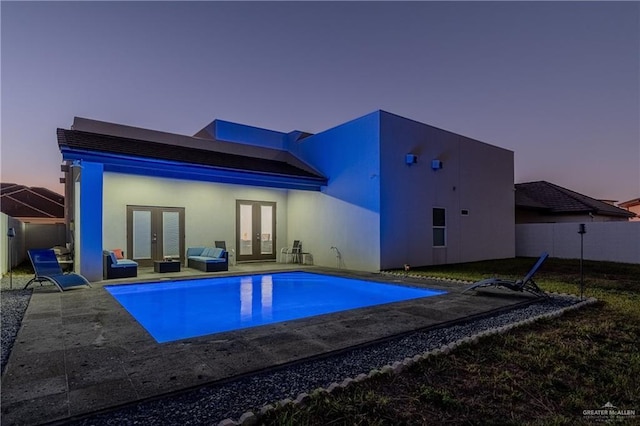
108	144
5	186
556	199
21	201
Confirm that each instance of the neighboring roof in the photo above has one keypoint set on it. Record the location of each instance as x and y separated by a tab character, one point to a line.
630	203
555	199
81	143
523	200
21	201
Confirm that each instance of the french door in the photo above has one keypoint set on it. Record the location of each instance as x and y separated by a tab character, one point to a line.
255	230
155	233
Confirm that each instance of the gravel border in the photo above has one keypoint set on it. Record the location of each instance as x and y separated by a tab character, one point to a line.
13	305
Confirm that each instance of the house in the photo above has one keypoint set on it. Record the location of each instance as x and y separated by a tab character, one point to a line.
545	202
633	206
37	216
377	192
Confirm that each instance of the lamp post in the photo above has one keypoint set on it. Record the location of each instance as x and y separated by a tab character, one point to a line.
582	230
10	234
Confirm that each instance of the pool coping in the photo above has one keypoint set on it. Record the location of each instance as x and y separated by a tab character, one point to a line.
80	352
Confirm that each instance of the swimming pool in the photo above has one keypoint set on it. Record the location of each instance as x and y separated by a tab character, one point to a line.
181	309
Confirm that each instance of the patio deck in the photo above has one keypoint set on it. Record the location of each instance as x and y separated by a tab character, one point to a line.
79	351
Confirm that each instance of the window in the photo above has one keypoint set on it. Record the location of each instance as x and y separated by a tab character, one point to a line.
439	228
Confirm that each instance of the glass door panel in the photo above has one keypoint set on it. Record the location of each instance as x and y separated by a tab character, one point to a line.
141	234
171	235
246	229
256	230
266	229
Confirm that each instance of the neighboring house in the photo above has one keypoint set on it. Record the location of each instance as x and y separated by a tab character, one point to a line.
633	206
36	205
374	193
545	202
37	216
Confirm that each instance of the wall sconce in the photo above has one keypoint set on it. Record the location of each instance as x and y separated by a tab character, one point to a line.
410	159
436	164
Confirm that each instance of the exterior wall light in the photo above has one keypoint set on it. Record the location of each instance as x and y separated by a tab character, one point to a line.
436	164
410	159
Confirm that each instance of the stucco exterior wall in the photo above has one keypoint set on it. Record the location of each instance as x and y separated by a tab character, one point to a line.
346	215
475	176
210	208
321	222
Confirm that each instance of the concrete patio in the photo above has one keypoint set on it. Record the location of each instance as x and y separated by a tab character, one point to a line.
79	351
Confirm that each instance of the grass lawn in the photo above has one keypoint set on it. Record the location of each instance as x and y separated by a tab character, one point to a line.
545	373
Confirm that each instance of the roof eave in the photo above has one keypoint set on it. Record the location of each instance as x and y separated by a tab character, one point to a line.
592	211
178	170
617	214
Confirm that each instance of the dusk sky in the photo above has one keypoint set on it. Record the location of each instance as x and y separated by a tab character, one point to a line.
556	82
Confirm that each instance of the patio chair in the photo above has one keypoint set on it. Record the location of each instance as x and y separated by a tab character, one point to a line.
294	251
525	284
46	267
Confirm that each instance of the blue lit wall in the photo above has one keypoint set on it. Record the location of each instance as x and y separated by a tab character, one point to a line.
234	132
349	156
91	221
346	214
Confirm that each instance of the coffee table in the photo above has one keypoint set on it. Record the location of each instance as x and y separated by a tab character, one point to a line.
163	266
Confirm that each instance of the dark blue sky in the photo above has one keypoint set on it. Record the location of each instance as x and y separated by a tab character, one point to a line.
556	82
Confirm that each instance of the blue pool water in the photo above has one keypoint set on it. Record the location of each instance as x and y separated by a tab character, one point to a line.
181	309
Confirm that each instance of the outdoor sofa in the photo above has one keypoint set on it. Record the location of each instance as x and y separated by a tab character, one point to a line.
118	268
208	259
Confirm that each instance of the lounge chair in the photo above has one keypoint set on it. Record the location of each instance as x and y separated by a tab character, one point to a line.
525	284
46	267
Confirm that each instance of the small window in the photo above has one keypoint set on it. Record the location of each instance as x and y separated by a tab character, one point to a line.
439	228
464	212
438	217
